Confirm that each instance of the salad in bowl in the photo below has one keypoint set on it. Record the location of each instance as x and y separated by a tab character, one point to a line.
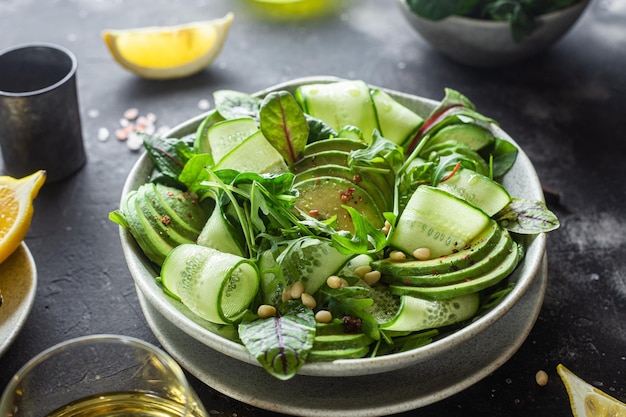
330	227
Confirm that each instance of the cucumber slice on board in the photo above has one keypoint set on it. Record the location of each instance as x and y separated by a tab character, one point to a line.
217	286
437	220
420	314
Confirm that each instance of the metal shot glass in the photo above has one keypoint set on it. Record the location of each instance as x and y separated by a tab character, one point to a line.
40	125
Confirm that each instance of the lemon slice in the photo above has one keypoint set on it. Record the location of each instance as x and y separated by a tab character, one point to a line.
16	209
166	52
588	401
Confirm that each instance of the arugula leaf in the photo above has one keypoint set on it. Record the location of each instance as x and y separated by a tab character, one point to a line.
284	125
234	104
527	217
281	343
366	238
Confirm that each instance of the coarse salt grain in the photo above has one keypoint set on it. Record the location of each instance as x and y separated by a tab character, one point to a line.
131	114
103	134
135	142
204	104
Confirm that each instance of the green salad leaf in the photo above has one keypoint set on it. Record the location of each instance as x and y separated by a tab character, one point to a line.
281	343
527	217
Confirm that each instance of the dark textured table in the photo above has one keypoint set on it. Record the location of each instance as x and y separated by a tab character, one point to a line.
566	108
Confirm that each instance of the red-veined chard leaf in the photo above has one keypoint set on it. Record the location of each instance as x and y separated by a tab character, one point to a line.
281	343
527	217
284	125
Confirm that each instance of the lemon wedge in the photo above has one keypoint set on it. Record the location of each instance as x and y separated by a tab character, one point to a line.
588	401
167	52
16	209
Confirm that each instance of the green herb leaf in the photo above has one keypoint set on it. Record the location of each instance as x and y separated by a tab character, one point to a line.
284	125
366	238
527	217
169	156
282	343
504	156
234	104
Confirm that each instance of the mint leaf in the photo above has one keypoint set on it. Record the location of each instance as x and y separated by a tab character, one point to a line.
281	343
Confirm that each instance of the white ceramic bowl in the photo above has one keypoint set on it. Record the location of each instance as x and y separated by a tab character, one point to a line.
485	43
522	181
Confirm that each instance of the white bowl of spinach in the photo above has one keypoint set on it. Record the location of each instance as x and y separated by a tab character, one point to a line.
390	230
494	33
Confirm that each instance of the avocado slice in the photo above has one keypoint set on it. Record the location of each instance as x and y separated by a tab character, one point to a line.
334	144
443	264
322	197
480	267
335	157
495	275
373	184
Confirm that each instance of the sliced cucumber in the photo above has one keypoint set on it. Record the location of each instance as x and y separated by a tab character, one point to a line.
325	197
480	267
474	136
307	259
443	264
201	142
478	190
217	286
219	234
437	220
226	135
254	154
397	123
420	314
495	275
339	104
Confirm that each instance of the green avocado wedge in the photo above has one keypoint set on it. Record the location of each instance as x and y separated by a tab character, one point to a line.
443	264
495	275
323	198
480	267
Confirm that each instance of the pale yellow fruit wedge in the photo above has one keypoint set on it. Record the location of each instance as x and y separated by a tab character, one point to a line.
16	209
167	52
588	401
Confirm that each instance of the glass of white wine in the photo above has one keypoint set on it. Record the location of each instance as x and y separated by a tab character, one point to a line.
101	375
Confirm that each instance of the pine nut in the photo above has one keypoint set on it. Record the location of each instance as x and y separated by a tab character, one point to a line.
286	294
296	290
360	271
541	377
308	300
323	316
397	256
371	277
265	311
421	254
334	282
